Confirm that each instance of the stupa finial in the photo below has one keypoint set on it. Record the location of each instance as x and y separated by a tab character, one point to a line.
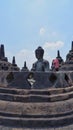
72	46
13	60
58	53
2	51
25	64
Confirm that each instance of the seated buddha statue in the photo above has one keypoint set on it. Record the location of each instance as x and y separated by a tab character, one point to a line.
40	64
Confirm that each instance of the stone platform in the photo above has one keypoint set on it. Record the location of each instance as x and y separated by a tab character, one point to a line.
27	107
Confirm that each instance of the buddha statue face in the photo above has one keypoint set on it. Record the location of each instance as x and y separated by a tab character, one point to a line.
39	52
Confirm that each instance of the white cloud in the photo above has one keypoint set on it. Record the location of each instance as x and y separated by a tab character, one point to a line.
9	55
39	2
53	34
42	31
25	55
21	56
53	45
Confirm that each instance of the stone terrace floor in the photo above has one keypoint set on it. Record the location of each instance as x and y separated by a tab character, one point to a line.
70	127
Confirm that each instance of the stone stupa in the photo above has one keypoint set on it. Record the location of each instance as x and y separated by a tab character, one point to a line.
68	65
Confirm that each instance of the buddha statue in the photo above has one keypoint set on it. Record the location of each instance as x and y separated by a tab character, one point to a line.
40	64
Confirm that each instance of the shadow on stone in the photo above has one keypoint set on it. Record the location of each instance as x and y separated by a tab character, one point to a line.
10	77
53	78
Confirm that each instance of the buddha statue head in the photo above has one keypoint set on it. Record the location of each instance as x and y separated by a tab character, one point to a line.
39	52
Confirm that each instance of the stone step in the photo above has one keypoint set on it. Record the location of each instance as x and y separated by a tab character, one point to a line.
36	122
36	98
24	98
23	91
70	127
24	115
35	91
36	109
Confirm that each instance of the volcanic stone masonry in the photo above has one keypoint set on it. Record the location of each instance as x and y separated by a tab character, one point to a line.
36	99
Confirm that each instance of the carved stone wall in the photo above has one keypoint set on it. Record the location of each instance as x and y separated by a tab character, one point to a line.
36	100
37	80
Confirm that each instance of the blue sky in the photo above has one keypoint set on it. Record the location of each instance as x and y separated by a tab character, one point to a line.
27	24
